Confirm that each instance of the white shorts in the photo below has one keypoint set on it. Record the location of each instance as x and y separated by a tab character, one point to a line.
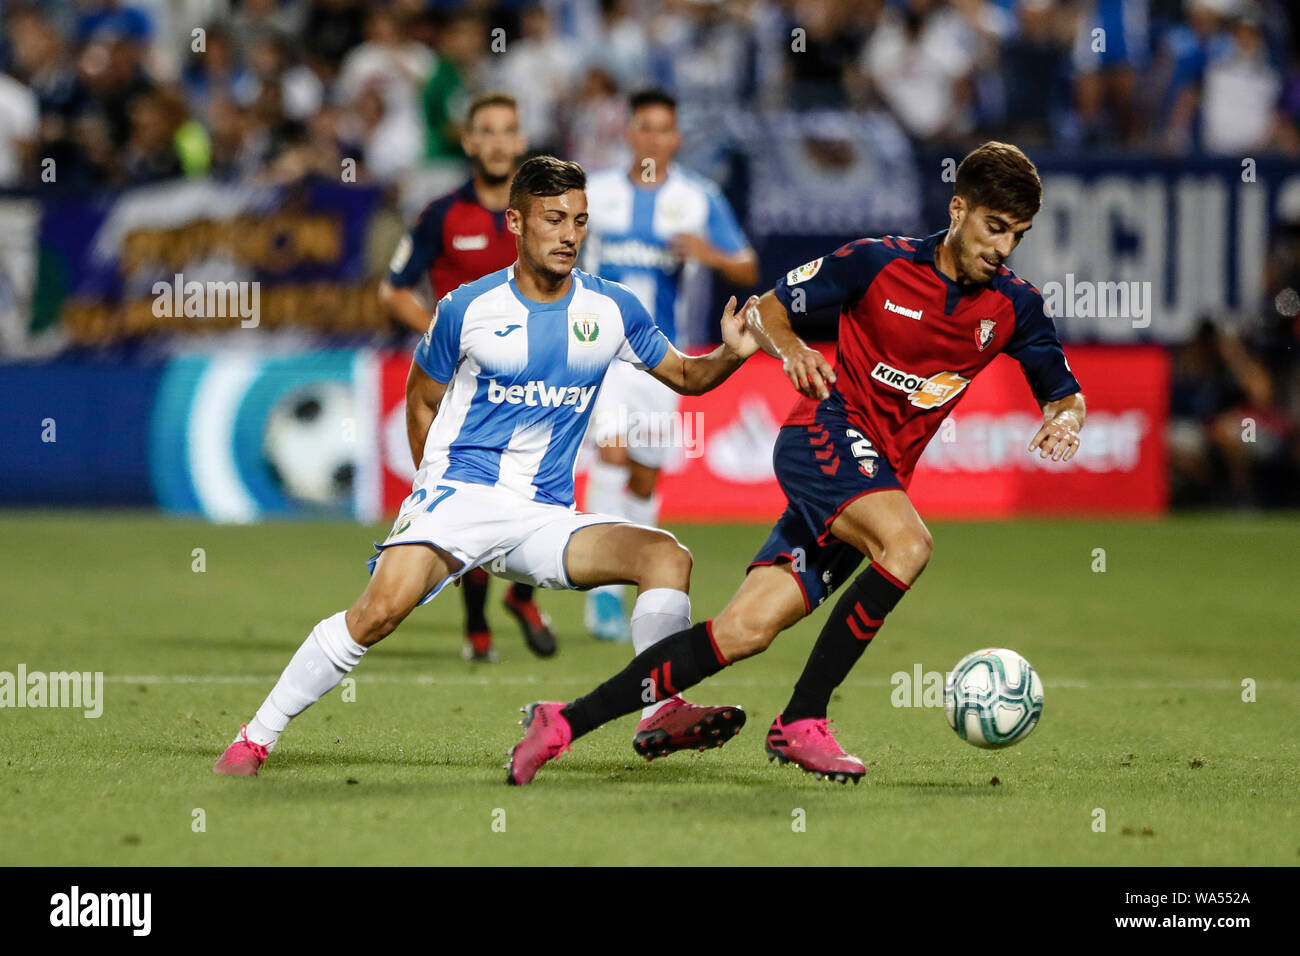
481	525
633	409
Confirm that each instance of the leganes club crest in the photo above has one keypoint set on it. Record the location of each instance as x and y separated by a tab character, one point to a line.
585	328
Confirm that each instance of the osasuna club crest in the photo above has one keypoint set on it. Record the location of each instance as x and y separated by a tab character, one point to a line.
984	334
585	328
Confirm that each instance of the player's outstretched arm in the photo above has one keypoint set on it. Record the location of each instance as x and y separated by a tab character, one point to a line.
423	396
697	374
1059	436
806	368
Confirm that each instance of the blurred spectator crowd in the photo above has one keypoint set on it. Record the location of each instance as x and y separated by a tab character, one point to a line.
1234	412
119	92
110	93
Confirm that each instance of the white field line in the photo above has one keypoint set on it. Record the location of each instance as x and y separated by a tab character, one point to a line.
559	678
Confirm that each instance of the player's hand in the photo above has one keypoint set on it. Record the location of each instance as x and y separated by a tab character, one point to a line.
1058	439
686	245
809	372
735	330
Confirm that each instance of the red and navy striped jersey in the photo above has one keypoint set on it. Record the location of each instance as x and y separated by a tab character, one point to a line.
454	241
911	339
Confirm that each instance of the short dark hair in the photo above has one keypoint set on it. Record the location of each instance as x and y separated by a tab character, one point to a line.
544	176
1000	177
651	97
484	100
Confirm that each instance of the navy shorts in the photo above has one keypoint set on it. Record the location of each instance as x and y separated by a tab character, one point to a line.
821	468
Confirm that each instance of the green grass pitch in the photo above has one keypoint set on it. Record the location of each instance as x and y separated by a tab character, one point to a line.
1144	717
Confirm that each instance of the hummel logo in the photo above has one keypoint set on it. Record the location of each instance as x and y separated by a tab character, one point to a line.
910	313
507	330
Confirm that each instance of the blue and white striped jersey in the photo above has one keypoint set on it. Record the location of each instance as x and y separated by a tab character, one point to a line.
522	378
630	227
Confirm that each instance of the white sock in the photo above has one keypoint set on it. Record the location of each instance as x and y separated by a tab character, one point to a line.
640	510
315	669
658	613
606	486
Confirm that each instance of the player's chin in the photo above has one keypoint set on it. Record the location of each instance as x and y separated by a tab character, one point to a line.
562	262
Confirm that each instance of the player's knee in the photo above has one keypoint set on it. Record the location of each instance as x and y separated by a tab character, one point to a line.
741	633
641	482
738	638
664	559
375	616
911	550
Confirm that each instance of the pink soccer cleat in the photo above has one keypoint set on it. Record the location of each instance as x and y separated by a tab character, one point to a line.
243	758
681	725
546	736
811	744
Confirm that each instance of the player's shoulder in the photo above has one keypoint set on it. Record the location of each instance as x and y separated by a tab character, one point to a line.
883	249
698	182
1023	294
869	254
460	299
617	294
435	211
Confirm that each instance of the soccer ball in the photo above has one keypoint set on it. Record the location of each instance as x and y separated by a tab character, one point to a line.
309	443
993	698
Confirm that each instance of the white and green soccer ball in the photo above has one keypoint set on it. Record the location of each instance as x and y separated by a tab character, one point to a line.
993	698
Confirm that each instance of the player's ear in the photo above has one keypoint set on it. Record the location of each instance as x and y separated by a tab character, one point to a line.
956	210
515	221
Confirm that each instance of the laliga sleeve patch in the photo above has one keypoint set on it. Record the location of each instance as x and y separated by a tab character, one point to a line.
804	272
401	255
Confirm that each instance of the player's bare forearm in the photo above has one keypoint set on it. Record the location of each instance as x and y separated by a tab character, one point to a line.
423	396
697	374
1058	438
806	368
403	305
703	373
769	323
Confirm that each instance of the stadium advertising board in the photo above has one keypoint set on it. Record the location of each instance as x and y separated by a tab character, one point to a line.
977	467
1141	249
201	256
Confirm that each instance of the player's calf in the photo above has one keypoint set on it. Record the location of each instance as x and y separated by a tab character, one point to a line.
768	602
402	576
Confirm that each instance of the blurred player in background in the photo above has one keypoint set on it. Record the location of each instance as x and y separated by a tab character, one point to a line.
649	224
498	399
458	238
918	320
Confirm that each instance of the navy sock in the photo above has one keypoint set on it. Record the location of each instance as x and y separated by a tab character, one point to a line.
677	662
474	587
854	621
